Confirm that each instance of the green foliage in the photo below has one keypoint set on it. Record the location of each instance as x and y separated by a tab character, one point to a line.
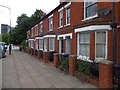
64	63
5	37
24	23
84	67
23	45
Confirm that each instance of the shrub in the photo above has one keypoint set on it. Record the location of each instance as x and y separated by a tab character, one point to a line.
84	67
64	64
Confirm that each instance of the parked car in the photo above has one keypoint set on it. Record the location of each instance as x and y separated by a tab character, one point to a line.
2	50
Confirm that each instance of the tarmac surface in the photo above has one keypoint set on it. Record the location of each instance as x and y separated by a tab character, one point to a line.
21	70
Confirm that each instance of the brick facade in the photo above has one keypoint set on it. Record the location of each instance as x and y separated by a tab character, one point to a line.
71	33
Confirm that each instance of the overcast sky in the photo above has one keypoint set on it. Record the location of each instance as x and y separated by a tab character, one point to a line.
28	7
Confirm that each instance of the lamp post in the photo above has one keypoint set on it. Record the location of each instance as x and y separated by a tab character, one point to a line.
10	28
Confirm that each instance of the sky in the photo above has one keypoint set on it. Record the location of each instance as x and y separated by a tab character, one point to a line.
19	7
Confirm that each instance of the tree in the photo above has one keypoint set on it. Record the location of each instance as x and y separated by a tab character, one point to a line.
24	23
5	37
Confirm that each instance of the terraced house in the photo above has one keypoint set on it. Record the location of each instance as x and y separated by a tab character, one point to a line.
88	30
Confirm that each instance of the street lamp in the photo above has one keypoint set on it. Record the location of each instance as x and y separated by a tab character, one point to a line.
10	28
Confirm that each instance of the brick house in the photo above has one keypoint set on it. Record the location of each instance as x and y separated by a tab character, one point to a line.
82	29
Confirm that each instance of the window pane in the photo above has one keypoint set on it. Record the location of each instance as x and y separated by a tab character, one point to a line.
100	44
84	45
50	23
45	44
100	51
85	37
90	8
68	15
68	45
51	42
61	18
36	44
41	27
41	44
101	37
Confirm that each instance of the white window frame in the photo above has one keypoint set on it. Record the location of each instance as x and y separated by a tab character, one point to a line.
90	17
41	27
85	57
29	44
40	40
67	24
60	39
45	44
50	22
52	43
32	43
106	52
61	17
36	42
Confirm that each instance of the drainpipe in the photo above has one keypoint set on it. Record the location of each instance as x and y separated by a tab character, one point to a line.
114	46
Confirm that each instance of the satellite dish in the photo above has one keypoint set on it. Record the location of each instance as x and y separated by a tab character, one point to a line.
104	11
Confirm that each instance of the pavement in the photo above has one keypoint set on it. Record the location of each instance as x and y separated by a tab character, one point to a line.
21	70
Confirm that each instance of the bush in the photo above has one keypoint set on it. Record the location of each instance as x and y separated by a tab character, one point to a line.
23	45
84	67
64	64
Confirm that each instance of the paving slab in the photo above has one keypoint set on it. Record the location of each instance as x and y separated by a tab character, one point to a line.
21	70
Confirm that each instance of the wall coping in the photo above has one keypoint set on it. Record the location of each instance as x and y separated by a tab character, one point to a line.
73	56
107	62
56	53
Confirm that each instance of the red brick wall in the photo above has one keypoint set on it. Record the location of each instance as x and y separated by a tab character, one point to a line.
92	45
105	76
55	20
38	28
45	25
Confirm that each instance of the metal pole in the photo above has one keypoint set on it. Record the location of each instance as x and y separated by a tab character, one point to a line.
114	46
10	28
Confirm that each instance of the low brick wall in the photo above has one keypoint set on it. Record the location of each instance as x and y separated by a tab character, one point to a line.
105	75
56	60
45	57
72	64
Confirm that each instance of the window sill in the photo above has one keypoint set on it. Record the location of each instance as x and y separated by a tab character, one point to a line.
60	27
90	17
51	50
41	49
50	30
67	25
45	51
